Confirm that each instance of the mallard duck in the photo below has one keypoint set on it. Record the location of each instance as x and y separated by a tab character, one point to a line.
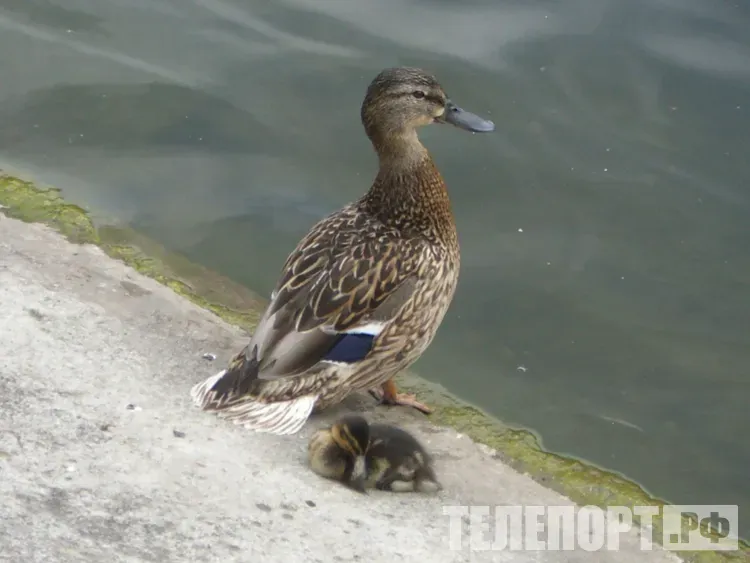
362	295
365	456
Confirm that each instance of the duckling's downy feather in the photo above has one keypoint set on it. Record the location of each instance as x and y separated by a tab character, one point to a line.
394	460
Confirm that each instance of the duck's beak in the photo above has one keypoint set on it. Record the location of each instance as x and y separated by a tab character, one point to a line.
465	119
359	474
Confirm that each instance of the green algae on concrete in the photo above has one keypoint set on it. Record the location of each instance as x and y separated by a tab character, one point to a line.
581	482
227	299
29	202
23	200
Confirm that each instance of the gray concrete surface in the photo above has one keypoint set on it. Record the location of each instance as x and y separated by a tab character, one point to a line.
85	478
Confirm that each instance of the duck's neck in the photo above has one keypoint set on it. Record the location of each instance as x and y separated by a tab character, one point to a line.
409	193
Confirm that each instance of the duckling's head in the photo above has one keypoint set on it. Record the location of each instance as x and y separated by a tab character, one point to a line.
352	434
401	99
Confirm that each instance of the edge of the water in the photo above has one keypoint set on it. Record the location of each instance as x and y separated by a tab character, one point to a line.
583	483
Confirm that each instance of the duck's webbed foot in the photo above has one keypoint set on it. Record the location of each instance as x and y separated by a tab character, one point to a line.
388	395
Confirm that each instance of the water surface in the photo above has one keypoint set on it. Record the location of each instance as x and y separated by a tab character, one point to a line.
604	293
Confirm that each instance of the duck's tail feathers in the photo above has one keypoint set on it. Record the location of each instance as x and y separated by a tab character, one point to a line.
224	388
281	417
202	393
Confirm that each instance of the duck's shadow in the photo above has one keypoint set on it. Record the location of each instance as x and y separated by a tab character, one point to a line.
365	405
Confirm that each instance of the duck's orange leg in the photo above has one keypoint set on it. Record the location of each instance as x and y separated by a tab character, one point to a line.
389	395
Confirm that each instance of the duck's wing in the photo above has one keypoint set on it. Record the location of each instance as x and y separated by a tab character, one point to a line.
340	286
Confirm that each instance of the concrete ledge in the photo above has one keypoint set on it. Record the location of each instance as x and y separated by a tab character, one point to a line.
84	335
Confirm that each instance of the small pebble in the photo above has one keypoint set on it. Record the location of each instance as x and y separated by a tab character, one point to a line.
208	356
178	434
105	427
132	407
309	503
70	468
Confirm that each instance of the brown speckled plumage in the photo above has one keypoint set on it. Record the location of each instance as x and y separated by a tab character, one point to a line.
391	258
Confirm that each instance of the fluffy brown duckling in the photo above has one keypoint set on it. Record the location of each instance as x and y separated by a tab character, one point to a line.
371	456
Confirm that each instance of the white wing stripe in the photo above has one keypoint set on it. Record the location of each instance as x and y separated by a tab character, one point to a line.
373	329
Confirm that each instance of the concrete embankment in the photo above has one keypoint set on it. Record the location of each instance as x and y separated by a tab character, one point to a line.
103	457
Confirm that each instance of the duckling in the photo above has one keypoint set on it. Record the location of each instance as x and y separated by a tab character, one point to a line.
398	462
366	456
338	452
364	292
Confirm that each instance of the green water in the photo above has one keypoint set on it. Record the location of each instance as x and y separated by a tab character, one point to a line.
604	294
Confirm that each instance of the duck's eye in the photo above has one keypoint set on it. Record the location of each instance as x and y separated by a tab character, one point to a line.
418	94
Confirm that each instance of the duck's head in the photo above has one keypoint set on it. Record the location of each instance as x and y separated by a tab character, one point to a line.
352	434
401	99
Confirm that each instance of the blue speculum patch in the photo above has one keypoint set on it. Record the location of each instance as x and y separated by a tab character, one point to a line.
350	348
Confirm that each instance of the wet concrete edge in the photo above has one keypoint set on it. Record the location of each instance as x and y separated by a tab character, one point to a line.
582	482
